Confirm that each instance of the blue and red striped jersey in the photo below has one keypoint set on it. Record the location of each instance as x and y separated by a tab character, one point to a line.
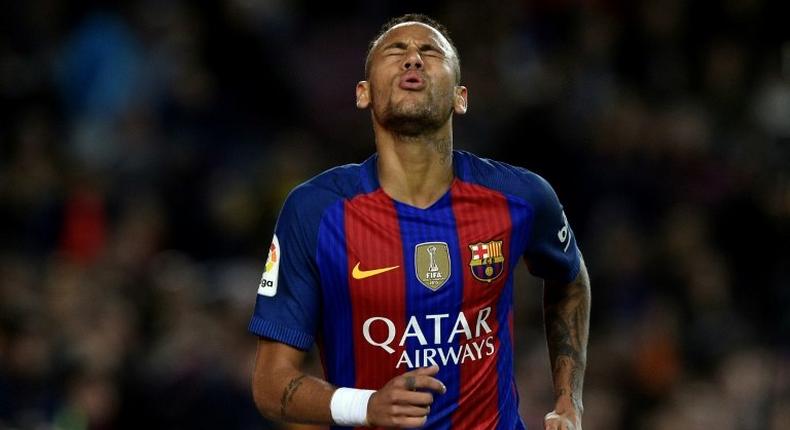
384	287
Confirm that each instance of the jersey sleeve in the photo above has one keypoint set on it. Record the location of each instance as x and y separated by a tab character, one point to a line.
288	300
551	251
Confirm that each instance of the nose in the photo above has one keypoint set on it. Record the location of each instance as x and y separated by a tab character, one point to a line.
413	60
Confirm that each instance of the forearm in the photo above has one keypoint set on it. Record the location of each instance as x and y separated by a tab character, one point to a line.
282	392
285	393
567	317
296	397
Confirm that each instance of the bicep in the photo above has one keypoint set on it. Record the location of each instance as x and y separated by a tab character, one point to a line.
275	357
581	281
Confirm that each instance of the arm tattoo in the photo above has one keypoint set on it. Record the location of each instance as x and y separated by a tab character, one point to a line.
288	393
567	315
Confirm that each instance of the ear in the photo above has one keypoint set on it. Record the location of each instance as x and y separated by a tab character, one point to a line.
363	94
460	100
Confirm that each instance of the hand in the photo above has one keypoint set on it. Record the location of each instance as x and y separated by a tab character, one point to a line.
405	400
567	420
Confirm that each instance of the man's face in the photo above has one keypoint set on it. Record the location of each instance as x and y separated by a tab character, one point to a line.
412	80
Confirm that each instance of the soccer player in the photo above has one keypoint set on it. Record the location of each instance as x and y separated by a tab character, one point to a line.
401	268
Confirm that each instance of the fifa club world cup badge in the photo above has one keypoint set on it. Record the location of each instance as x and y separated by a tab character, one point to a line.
487	261
432	264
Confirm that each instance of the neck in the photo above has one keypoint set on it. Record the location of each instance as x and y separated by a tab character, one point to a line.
416	170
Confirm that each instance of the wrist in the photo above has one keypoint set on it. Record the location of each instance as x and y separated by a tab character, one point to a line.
567	402
349	406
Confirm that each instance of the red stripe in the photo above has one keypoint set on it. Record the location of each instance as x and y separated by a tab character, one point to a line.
481	215
373	240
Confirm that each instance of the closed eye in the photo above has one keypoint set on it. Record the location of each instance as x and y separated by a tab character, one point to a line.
395	46
430	49
398	48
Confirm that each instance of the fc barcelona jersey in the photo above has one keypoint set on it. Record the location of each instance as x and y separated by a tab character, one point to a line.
383	287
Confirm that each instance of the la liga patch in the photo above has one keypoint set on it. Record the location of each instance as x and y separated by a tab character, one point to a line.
268	285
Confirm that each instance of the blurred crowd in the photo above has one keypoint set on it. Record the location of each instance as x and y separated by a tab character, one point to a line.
146	148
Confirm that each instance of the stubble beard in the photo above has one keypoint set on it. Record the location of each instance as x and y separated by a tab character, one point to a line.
414	119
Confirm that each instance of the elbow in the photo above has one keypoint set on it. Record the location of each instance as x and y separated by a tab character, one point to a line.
264	399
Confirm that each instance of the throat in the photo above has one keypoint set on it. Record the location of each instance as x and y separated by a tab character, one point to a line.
416	171
417	179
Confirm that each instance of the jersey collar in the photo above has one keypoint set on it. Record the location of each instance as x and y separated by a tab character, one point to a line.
369	178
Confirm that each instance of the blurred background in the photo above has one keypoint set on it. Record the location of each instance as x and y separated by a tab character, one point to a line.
146	148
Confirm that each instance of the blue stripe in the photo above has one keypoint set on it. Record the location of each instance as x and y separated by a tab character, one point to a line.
332	260
507	402
435	224
508	398
368	175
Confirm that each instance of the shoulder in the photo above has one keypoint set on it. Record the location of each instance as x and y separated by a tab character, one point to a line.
311	198
503	177
334	184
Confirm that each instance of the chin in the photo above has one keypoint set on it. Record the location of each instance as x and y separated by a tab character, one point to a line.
412	116
412	107
412	123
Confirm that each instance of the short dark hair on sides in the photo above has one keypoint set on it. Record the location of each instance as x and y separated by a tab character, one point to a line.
413	17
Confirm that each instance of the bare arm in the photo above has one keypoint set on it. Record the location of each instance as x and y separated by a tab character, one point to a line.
282	392
566	310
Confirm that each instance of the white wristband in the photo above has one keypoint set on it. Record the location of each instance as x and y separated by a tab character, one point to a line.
349	406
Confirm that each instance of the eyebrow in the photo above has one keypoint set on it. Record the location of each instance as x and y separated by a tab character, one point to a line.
395	45
423	47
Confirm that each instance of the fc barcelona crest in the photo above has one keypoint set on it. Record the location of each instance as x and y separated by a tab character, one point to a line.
487	261
432	264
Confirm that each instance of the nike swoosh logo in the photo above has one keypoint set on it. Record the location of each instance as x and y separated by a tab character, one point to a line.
362	274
